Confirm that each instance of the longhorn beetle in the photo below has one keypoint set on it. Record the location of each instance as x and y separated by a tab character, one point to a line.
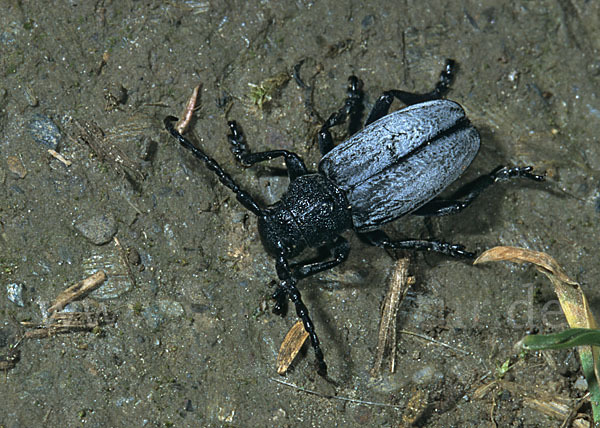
396	165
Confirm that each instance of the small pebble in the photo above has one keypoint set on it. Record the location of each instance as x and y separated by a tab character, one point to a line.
133	257
157	313
14	292
44	131
99	229
30	96
426	375
171	309
581	384
16	166
153	317
148	149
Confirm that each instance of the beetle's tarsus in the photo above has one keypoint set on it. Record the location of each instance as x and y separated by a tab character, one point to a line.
379	238
463	197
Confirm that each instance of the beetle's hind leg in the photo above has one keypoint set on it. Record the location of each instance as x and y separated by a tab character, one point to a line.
463	197
352	108
241	152
379	238
383	103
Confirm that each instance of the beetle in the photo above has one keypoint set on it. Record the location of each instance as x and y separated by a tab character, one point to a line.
398	164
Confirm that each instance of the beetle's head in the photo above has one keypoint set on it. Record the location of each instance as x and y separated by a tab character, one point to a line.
279	232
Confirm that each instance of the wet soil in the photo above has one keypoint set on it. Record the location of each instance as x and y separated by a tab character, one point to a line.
191	340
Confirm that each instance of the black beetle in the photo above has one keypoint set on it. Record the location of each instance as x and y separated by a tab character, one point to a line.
396	165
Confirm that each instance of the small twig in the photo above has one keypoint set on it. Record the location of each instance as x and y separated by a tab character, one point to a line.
571	416
77	291
336	397
137	210
432	340
398	287
492	407
190	107
66	322
60	157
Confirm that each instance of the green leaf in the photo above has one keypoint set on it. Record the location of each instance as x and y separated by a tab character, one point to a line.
565	339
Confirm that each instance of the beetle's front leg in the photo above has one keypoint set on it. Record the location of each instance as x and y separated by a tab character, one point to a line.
288	287
293	162
379	238
463	197
340	249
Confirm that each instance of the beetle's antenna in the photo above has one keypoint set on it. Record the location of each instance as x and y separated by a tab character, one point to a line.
244	198
287	286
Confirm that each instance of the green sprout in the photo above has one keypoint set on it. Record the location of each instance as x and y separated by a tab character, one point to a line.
262	93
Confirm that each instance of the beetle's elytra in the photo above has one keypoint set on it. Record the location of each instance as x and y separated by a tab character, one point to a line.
396	165
402	161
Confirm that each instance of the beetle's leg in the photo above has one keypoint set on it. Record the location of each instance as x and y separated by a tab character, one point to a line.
293	162
352	108
383	103
463	197
244	198
340	249
381	239
288	286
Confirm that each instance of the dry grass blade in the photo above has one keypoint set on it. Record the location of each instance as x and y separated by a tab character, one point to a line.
183	123
572	301
543	262
290	347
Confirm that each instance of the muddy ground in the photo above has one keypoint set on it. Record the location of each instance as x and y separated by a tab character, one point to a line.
188	337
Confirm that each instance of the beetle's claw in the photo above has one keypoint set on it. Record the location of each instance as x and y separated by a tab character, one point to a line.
503	173
457	250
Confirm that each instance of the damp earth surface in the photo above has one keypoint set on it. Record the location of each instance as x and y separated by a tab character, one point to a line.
181	332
